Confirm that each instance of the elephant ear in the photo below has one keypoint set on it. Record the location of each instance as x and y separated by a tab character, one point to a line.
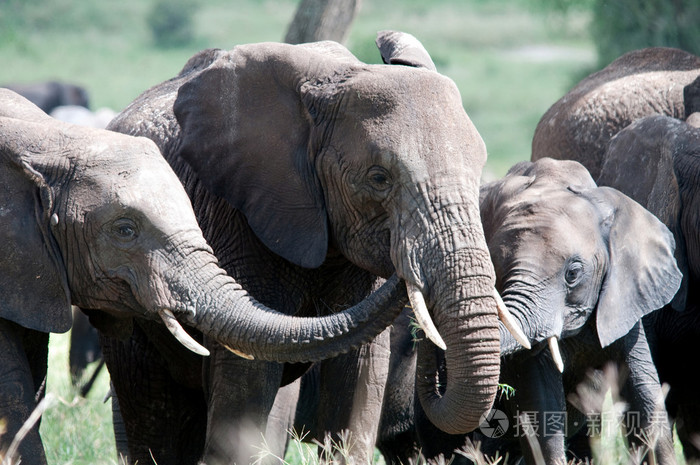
642	275
639	162
246	132
332	50
401	48
33	284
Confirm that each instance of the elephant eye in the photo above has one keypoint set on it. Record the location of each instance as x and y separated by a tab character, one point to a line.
379	178
125	230
573	273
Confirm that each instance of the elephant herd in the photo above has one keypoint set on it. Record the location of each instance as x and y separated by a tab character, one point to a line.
247	238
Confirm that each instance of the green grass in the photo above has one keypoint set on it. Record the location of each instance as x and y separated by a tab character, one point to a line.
76	430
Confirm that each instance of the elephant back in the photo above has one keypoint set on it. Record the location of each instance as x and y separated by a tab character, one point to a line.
641	83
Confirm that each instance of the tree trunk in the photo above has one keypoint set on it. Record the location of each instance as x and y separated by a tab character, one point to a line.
322	20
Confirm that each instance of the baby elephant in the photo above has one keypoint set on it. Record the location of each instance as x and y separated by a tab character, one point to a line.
578	266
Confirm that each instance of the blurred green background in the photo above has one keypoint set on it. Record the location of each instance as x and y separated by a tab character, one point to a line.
511	59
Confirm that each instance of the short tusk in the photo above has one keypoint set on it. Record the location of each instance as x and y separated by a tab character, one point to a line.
180	334
239	353
556	355
422	316
509	322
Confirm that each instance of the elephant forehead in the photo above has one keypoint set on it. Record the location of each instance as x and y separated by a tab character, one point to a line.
548	173
405	91
420	120
154	186
131	172
555	214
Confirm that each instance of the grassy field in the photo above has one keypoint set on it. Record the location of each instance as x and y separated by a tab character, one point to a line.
76	430
510	63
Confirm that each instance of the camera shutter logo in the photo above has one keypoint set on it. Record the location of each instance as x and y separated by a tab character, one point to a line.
494	424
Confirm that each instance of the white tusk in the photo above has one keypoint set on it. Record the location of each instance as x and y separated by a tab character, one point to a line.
422	316
556	355
509	322
180	334
239	353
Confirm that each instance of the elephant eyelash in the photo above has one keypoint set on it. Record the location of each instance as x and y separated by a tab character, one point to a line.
124	230
573	273
379	178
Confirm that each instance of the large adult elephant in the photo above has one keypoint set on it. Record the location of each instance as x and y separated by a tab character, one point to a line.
655	160
312	173
640	83
99	220
578	266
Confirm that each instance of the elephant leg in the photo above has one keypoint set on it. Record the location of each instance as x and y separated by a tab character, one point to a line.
22	377
351	395
84	346
240	396
398	439
647	420
538	408
120	438
162	418
281	418
688	428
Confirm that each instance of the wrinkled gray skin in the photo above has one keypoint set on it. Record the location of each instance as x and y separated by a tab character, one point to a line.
312	173
580	263
99	220
640	83
656	161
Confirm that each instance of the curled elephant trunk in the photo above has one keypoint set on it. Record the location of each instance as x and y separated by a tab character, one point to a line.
225	312
458	386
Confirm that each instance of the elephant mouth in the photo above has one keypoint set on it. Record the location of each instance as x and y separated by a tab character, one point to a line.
508	347
510	322
180	334
553	344
188	341
420	311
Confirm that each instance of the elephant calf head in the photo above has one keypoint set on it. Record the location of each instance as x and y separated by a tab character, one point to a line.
565	249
